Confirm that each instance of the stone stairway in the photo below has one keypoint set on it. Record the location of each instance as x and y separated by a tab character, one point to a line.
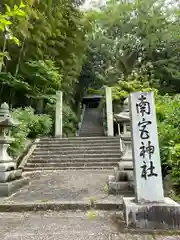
92	123
75	153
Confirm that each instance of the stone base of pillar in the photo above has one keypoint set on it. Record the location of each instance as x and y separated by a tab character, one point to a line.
120	187
148	216
126	164
10	179
10	175
7	188
124	175
124	171
121	181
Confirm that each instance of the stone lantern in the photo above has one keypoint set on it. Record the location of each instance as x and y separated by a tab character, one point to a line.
122	179
123	118
9	175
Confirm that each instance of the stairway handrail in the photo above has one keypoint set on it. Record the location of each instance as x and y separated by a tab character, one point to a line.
81	120
104	118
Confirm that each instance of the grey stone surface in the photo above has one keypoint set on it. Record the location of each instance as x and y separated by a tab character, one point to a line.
7	188
164	215
59	206
65	186
131	237
120	188
176	237
92	123
66	225
7	176
148	186
124	175
76	153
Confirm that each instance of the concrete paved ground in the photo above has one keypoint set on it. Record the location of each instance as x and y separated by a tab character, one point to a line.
65	186
67	225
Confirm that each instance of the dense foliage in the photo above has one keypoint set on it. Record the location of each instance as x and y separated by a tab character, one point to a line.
168	113
42	49
135	38
31	125
51	37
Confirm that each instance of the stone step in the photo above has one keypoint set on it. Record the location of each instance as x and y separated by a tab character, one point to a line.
91	131
92	119
74	156
75	151
79	138
73	147
93	112
71	164
87	130
28	169
78	208
92	124
82	142
87	126
91	134
98	152
93	115
77	146
78	160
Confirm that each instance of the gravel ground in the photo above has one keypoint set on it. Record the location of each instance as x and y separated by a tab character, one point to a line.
66	225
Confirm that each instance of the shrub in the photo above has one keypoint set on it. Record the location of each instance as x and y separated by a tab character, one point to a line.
70	119
19	143
168	115
31	125
175	163
40	126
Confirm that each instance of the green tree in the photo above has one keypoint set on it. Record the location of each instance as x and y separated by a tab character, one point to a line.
6	22
53	31
137	36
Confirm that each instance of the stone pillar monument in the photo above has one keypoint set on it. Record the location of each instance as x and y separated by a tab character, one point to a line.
123	173
58	119
109	112
148	209
10	176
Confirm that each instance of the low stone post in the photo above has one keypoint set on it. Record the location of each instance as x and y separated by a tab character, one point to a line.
10	176
123	173
59	117
125	165
109	111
